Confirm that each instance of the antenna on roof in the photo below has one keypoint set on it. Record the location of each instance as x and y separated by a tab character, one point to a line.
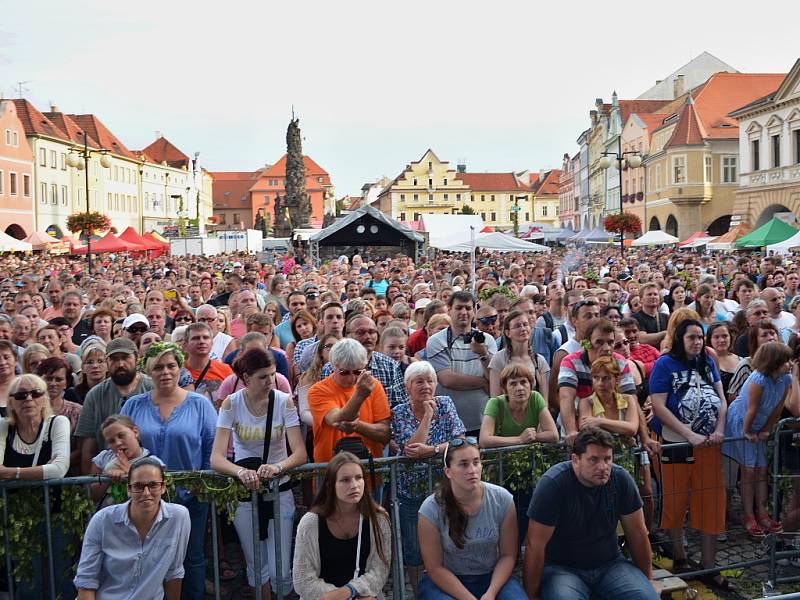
292	112
20	89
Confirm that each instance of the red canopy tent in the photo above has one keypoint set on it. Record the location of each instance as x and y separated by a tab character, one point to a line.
130	235
110	243
149	236
693	237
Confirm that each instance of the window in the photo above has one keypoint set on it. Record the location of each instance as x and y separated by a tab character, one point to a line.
483	198
320	179
414	181
63	161
12	184
26	186
416	197
445	181
402	197
116	201
678	169
64	195
729	169
235	217
43	193
796	136
8	137
483	216
492	197
402	216
446	197
430	198
776	151
494	216
658	177
707	169
53	194
754	155
53	158
116	173
43	158
15	137
458	196
527	216
430	183
544	210
430	165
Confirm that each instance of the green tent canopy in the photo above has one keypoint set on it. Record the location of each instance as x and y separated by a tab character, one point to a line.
773	232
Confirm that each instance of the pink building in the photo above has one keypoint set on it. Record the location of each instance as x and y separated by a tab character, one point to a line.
569	215
16	174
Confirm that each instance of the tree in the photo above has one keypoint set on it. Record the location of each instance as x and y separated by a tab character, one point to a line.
297	200
467	210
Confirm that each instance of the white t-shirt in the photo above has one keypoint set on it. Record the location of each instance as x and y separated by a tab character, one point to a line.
221	341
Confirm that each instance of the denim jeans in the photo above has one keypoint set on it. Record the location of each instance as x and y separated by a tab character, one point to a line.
616	579
477	586
409	516
194	565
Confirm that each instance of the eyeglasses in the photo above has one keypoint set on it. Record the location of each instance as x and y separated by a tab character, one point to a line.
354	372
312	295
207	320
138	486
618	345
457	443
580	304
488	320
23	394
137	329
183	318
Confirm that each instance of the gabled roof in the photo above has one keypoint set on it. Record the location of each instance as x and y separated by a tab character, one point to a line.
231	189
689	131
71	128
652	121
548	186
279	168
162	150
373	212
98	131
695	72
35	122
640	107
491	182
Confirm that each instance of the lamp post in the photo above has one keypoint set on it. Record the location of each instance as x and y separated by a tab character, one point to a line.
515	213
634	160
79	159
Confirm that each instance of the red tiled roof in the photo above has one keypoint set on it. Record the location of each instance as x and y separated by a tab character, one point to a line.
549	185
162	150
279	168
653	120
36	123
490	182
689	131
98	131
640	107
230	175
231	189
71	128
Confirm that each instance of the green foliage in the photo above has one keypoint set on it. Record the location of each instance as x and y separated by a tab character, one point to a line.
488	292
467	210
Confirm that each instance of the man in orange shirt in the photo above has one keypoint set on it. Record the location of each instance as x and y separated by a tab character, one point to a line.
350	402
207	374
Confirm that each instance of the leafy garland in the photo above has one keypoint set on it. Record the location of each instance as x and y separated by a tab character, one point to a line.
488	292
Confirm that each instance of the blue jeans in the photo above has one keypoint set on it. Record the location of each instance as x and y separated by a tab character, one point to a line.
194	565
477	586
616	579
409	515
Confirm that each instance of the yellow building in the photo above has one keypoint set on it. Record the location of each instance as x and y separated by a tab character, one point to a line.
427	186
493	195
545	201
690	181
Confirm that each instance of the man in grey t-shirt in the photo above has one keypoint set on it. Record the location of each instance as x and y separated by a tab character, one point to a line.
107	398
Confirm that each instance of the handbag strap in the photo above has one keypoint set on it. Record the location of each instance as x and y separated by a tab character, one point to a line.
268	427
202	376
358	546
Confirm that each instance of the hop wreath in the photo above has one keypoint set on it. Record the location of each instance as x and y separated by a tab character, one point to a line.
157	348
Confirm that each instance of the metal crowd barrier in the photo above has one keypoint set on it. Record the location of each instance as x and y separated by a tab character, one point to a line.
494	459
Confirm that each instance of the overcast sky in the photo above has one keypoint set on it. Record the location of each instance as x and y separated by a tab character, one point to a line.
504	85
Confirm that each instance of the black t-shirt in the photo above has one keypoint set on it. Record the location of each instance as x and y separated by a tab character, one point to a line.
740	346
80	332
585	518
650	324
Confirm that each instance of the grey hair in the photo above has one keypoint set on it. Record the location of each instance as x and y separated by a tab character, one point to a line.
179	333
708	278
755	303
205	307
419	369
348	354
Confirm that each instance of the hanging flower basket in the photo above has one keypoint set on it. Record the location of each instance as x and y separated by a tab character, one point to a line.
622	223
88	223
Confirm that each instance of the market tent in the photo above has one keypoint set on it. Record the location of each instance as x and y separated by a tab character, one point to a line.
130	235
773	232
496	242
12	244
726	240
598	235
655	238
696	235
153	235
446	230
43	241
110	243
786	246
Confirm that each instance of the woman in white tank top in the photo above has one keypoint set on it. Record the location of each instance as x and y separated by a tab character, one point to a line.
244	415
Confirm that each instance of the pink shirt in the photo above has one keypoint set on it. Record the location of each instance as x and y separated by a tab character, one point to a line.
233	384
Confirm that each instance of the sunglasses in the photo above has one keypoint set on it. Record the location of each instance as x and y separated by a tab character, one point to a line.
355	372
457	443
312	296
137	329
488	320
619	345
22	395
183	318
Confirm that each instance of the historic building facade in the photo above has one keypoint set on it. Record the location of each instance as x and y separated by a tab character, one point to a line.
16	174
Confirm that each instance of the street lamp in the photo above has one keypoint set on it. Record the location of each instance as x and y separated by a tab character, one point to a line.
515	213
79	158
619	158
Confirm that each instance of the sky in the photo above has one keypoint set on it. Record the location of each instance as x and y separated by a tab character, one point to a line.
501	85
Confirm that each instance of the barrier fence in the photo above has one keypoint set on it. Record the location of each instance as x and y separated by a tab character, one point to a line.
509	466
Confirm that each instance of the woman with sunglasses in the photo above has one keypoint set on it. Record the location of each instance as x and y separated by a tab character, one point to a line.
183	317
136	549
34	445
467	532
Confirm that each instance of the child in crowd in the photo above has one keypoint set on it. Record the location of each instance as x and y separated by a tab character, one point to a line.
124	446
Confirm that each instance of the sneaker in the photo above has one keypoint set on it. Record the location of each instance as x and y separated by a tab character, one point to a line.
769	525
722	537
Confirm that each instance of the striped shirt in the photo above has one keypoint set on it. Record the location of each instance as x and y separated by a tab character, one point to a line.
576	372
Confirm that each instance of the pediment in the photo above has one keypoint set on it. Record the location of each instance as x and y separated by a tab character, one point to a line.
754	127
790	88
774	121
794	115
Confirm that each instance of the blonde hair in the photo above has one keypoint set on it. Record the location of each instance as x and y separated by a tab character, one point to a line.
437	320
36	383
30	351
675	319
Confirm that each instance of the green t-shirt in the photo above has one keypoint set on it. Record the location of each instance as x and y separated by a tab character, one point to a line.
511	427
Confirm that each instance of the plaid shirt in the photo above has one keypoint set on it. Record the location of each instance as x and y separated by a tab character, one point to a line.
300	347
286	317
388	372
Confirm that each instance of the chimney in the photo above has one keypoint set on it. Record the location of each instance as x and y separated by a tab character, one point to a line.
158	135
461	168
658	81
54	108
593	116
677	86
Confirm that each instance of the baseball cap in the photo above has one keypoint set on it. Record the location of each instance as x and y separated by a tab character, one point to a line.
421	303
133	319
123	345
237	265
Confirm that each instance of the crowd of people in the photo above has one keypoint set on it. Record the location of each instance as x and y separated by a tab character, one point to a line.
251	368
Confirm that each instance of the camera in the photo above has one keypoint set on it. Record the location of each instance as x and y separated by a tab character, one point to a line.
474	335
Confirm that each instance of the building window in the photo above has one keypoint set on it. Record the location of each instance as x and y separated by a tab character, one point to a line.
492	197
53	157
446	197
64	195
776	151
430	198
678	169
430	165
402	216
110	201
235	217
116	173
755	155
430	183
53	194
658	177
483	198
15	138
402	197
63	161
8	137
43	158
414	181
445	181
544	210
43	193
416	197
796	139
494	217
483	216
1	183
26	186
707	169
729	169
116	201
320	179
527	216
12	184
458	196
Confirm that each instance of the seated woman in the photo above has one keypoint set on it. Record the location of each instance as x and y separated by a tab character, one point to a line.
467	533
606	408
343	547
519	416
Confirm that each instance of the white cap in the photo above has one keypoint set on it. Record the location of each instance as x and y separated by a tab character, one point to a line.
421	303
133	319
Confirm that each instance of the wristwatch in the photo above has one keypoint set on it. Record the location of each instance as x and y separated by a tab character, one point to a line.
436	450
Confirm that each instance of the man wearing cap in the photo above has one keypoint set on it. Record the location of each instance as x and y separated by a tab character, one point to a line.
106	398
134	327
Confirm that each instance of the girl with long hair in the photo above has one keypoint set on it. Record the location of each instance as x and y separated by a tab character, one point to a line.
467	532
517	349
343	547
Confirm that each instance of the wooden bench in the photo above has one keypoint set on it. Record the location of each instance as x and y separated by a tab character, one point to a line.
669	583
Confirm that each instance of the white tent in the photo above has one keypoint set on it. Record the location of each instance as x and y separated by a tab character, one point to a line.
497	242
11	244
655	238
446	230
785	246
